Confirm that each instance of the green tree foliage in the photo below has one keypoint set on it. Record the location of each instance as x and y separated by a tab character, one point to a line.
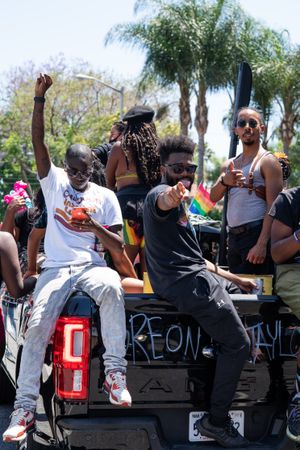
287	94
209	26
168	60
213	166
76	111
294	157
277	84
198	45
185	44
275	64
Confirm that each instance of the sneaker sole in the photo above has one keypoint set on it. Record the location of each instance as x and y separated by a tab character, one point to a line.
19	438
208	434
292	436
115	402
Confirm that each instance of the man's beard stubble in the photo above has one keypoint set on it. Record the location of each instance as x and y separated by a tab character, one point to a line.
248	143
170	180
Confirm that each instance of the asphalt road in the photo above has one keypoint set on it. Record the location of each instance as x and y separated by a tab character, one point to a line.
5	411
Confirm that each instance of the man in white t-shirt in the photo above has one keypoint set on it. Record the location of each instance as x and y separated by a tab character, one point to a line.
73	262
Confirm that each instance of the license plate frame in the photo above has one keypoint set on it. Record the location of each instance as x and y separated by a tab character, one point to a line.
238	417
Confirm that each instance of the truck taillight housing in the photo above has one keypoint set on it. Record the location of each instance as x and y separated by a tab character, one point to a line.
71	351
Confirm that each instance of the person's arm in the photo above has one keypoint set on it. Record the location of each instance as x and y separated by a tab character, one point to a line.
122	264
229	177
41	152
112	242
283	243
110	238
132	285
33	245
9	217
10	268
111	166
243	283
272	173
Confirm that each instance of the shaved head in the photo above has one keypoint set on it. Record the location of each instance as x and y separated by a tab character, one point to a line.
79	165
80	151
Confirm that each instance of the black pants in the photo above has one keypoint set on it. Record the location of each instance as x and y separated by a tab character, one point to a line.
206	298
238	248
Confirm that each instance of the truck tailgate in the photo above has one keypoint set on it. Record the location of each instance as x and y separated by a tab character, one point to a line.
171	365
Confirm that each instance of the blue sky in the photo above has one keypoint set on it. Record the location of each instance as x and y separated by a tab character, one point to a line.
32	30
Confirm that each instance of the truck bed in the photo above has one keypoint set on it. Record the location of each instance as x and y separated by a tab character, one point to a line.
171	365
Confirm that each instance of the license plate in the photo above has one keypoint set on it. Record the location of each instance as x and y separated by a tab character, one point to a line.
195	435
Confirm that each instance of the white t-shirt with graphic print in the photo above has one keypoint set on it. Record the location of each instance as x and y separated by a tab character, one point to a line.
64	245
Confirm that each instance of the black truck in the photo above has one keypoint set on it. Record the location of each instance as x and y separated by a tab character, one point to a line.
171	364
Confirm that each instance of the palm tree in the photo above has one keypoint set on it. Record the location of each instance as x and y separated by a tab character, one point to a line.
276	78
288	94
210	28
186	43
198	46
167	59
277	83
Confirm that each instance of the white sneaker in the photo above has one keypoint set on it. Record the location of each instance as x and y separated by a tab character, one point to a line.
20	421
115	386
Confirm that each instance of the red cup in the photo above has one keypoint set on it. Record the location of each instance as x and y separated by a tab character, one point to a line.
79	214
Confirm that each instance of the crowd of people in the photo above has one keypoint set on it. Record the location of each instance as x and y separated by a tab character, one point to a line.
131	193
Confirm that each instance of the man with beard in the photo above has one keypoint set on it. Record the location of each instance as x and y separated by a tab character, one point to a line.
253	180
179	273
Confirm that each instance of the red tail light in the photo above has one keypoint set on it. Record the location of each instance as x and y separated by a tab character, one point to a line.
71	351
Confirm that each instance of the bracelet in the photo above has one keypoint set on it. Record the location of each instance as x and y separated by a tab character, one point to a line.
39	99
222	181
296	237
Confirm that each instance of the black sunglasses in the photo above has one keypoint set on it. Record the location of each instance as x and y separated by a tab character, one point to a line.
74	172
178	169
242	123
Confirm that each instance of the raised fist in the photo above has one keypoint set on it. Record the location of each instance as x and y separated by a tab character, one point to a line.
42	84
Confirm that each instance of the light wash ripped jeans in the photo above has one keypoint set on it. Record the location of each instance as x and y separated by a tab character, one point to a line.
53	288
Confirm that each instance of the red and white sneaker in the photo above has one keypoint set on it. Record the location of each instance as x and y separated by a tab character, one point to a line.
115	386
20	422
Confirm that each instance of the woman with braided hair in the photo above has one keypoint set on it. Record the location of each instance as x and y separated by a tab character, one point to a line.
133	168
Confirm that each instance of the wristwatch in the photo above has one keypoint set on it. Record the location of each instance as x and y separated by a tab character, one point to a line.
222	180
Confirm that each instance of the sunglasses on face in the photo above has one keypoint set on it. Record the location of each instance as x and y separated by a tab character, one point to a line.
75	172
178	169
242	123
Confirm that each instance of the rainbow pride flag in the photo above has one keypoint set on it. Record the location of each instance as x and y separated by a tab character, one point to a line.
201	203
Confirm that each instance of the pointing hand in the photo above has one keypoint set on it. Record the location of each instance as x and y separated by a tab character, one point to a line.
184	193
174	195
